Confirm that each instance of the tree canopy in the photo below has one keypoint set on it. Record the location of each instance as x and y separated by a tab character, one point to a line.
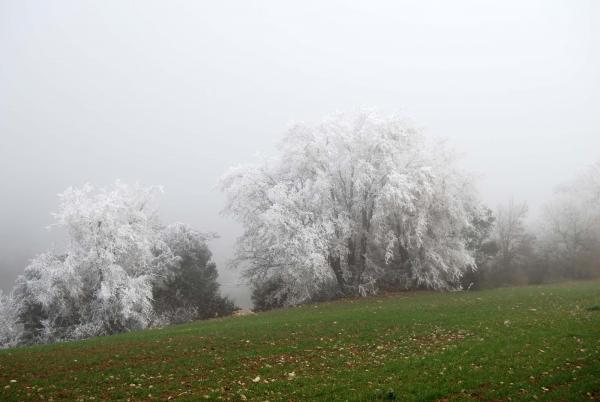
118	257
356	199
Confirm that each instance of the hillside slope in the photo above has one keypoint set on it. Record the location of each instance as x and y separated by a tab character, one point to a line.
539	342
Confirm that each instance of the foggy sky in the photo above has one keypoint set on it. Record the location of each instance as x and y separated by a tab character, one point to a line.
175	92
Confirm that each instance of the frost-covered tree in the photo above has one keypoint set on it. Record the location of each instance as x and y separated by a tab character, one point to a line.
102	283
120	270
11	329
352	200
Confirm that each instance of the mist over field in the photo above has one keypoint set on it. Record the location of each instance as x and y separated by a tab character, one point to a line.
300	201
175	93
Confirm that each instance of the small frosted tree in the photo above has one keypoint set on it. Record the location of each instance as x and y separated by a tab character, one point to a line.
102	283
122	269
350	200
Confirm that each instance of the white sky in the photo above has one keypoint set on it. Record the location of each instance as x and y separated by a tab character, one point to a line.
175	92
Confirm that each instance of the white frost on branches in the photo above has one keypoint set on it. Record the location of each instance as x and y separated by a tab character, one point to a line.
102	283
347	200
10	327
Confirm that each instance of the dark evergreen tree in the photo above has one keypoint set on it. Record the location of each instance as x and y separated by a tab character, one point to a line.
190	290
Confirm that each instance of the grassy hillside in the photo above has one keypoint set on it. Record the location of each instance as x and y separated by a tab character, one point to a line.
506	344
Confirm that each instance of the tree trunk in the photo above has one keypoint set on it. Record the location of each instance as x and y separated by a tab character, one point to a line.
336	266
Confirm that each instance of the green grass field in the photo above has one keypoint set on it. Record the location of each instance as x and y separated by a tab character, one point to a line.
540	342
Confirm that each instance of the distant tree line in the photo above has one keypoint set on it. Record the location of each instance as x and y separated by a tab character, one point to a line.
356	205
564	244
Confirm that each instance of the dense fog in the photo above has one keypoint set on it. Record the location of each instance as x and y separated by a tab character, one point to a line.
175	94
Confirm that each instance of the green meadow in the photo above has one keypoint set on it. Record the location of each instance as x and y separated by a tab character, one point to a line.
527	343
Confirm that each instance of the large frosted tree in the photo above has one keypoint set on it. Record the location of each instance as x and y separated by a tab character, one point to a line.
354	200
